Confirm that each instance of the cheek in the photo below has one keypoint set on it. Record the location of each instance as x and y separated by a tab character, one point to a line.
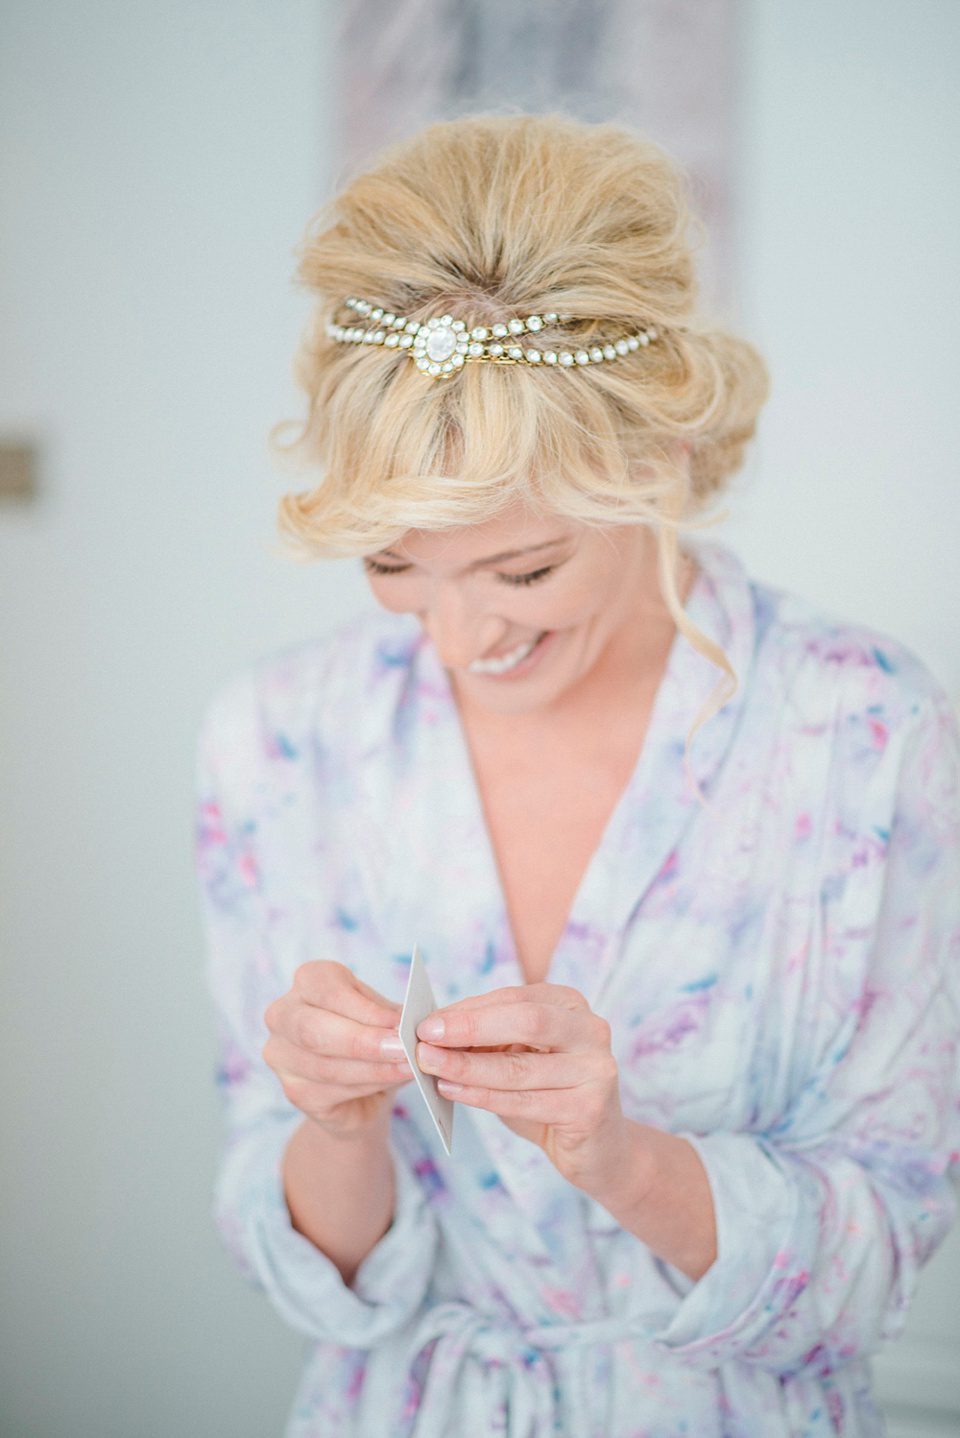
397	596
577	604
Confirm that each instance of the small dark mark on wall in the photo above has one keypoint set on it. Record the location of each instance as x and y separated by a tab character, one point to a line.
18	472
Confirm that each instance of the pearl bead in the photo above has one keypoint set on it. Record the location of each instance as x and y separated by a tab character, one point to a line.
533	356
550	356
582	357
534	322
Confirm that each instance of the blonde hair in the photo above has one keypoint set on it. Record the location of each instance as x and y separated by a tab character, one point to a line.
483	218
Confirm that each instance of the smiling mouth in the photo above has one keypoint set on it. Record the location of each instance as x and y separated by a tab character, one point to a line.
504	662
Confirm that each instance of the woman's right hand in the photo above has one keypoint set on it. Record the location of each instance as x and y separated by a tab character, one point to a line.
335	1048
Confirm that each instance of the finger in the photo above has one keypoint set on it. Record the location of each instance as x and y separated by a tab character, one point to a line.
538	1025
280	1054
321	1098
550	1107
512	1071
560	994
328	985
321	1031
393	1005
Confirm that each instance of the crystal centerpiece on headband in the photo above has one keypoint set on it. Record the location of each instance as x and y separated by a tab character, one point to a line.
440	345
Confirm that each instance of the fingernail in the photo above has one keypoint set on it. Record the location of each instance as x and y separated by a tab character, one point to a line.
391	1047
431	1028
445	1086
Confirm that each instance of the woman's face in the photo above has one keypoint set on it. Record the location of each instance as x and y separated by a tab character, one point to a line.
524	608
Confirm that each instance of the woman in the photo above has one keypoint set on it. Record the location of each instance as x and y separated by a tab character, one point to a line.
694	949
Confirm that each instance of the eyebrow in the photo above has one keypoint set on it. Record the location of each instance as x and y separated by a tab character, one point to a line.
494	558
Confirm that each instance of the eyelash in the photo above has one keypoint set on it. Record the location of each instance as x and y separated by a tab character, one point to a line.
533	577
376	568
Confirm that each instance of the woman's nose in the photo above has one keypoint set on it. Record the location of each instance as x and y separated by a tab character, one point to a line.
458	629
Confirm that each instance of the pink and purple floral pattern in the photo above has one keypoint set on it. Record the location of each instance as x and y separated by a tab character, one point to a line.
781	971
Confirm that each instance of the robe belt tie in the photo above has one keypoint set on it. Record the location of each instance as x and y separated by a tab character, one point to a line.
523	1392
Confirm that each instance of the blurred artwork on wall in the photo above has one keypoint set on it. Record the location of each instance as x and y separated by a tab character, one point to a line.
664	67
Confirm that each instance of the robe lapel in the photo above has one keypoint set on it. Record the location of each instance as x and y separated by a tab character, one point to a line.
659	804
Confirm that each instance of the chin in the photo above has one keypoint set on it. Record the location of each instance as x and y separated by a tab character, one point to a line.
508	703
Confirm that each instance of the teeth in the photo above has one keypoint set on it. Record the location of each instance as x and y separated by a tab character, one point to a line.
504	662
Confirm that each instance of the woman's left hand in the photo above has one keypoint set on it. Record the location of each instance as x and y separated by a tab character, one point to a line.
539	1057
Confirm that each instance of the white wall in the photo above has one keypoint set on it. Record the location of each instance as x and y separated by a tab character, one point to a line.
850	281
157	163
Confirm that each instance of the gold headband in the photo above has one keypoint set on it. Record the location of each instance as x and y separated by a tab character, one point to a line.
442	345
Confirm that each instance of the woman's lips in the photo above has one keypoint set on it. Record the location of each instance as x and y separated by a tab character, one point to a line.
516	661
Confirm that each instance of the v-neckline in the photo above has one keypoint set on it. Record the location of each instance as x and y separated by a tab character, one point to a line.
592	918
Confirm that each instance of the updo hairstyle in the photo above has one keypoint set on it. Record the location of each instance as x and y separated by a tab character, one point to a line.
485	218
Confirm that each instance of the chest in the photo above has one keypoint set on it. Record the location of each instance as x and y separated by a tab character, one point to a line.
547	807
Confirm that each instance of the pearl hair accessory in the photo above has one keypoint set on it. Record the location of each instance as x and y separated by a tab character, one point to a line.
442	345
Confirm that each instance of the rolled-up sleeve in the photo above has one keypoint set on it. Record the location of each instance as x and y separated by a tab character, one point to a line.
250	1209
824	1222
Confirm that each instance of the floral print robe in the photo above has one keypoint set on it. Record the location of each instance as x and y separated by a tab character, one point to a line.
781	970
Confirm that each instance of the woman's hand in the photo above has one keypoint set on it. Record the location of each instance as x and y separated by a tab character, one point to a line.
335	1048
538	1056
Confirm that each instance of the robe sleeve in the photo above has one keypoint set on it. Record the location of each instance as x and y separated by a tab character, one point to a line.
250	1210
824	1223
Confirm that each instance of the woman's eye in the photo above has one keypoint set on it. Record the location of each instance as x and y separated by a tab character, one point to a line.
530	578
375	567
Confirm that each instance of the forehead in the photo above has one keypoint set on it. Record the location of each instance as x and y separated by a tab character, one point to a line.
514	529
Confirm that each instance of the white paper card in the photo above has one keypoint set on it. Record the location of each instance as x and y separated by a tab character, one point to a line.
418	1004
